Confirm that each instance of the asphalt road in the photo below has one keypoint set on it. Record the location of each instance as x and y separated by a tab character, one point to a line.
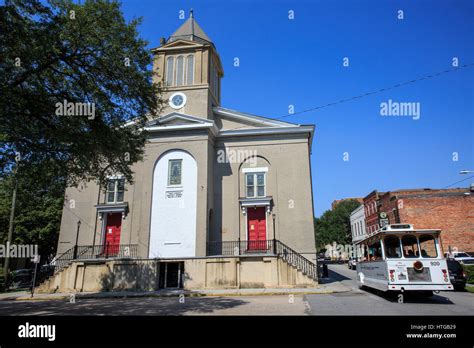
369	302
239	305
352	302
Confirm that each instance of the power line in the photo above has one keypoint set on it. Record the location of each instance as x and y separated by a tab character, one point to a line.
457	182
425	77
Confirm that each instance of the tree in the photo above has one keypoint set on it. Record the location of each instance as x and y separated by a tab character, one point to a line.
75	92
71	77
39	208
334	225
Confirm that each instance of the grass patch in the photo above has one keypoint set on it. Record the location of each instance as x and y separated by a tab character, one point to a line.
469	269
470	289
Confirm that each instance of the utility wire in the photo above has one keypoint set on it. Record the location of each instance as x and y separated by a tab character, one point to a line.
457	182
425	77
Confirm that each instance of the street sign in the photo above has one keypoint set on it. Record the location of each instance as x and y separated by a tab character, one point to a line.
383	219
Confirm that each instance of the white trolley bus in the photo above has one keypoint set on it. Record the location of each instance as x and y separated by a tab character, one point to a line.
399	258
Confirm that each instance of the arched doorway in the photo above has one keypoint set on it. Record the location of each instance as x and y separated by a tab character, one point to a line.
173	208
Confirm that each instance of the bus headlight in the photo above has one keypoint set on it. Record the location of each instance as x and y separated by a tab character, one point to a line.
418	266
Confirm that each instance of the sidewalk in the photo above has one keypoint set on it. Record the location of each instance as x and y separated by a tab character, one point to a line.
320	289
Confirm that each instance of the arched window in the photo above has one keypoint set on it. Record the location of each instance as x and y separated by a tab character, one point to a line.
169	71
179	71
190	70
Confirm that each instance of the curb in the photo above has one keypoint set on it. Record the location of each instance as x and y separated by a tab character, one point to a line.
186	294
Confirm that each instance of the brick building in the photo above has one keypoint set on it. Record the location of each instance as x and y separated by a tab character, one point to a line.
371	211
451	210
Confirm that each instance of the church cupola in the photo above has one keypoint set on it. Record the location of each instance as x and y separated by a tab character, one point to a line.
189	69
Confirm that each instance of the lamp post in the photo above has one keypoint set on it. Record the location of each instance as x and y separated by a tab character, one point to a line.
274	235
466	171
6	265
77	238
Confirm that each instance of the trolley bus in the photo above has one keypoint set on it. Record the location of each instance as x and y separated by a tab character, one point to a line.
399	258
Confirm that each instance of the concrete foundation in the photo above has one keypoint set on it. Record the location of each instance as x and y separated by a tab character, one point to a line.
199	273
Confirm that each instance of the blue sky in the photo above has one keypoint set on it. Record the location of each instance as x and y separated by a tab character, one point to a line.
300	62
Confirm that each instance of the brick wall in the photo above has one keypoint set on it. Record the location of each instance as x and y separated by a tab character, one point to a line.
453	215
371	211
452	211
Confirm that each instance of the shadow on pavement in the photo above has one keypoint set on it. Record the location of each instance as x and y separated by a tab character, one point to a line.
333	277
409	297
128	306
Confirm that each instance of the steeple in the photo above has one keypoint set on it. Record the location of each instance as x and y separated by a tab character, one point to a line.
190	71
190	31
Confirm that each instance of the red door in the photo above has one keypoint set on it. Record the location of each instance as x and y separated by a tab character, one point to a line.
257	228
112	233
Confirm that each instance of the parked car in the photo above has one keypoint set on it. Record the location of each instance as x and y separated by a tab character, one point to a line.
461	256
351	264
457	276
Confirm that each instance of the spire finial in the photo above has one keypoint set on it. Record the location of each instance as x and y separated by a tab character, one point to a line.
191	13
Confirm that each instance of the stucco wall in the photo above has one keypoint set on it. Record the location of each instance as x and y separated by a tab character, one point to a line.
288	182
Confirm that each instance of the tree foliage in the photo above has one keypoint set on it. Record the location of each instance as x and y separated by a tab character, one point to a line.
334	225
40	197
56	51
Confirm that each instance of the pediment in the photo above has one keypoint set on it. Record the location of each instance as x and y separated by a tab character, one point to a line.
181	43
177	119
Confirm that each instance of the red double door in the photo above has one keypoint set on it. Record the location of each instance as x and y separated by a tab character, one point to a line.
112	233
257	228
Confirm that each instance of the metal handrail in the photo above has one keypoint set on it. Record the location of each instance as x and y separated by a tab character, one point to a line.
267	247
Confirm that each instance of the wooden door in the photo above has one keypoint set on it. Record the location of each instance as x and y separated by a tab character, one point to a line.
257	228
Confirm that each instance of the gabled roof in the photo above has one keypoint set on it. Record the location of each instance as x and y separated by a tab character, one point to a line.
246	117
265	126
177	121
190	31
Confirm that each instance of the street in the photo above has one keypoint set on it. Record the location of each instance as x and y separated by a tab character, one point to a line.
369	302
353	301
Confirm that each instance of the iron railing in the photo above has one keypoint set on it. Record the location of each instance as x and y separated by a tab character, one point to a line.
268	247
296	259
240	247
85	252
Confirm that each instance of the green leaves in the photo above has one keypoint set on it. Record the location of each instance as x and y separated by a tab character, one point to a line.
334	225
40	197
80	53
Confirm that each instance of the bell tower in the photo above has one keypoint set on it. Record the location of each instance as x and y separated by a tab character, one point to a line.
189	70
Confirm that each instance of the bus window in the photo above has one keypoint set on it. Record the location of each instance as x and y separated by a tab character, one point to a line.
392	247
410	246
428	246
375	251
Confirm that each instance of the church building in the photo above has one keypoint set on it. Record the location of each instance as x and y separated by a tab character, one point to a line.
222	198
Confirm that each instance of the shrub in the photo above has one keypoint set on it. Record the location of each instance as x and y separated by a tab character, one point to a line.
469	269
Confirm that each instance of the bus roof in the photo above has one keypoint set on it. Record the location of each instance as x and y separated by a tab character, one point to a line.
397	229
